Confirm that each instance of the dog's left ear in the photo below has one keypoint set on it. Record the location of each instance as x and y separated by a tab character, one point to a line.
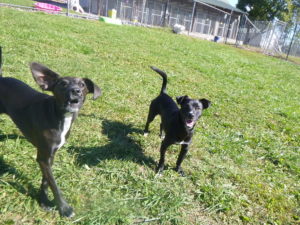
43	76
205	103
92	88
181	99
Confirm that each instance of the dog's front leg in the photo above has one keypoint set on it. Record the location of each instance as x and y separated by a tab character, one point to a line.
182	154
163	148
63	207
44	201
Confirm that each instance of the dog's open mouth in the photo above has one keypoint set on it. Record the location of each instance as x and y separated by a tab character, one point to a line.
190	123
73	103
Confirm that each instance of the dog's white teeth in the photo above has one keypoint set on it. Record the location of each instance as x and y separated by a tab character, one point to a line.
72	102
190	123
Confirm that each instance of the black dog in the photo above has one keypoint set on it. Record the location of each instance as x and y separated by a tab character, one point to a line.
46	120
177	124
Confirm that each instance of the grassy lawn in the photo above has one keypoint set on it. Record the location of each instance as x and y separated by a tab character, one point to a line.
294	59
243	165
28	3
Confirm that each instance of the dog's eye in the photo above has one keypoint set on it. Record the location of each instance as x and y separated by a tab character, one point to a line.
63	83
197	107
81	85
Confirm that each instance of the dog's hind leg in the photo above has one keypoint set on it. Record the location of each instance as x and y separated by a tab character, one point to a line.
151	115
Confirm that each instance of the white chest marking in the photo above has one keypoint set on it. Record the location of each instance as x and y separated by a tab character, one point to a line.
182	143
67	125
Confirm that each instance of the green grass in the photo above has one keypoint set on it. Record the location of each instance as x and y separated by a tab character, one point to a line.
294	59
28	3
243	165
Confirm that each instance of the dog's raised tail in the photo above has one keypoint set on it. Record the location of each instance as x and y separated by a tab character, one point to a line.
164	76
1	61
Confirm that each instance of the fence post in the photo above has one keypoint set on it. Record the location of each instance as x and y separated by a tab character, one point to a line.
143	9
287	55
106	8
165	13
267	48
240	27
193	17
68	6
228	26
90	6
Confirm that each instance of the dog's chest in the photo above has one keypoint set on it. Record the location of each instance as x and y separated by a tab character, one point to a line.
65	128
183	143
184	139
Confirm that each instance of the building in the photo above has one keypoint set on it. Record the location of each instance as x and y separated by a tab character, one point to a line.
205	18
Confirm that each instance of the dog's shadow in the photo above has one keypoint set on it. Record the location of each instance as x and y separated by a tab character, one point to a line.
121	146
3	137
20	182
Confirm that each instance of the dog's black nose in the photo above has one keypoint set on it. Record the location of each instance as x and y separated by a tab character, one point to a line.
191	115
76	91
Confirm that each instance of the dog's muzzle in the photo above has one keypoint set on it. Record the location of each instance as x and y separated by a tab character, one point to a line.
190	123
74	101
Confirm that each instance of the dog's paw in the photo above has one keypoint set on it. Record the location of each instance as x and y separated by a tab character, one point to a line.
159	170
66	211
45	203
180	171
162	136
47	207
146	134
157	175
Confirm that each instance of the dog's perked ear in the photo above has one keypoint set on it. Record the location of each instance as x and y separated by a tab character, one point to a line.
205	103
92	88
43	76
180	99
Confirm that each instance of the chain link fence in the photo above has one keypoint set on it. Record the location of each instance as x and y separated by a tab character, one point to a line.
275	38
291	40
272	38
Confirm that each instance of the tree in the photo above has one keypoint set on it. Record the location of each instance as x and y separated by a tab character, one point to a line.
266	10
293	8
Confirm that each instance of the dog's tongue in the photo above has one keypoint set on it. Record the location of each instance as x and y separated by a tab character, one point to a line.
190	123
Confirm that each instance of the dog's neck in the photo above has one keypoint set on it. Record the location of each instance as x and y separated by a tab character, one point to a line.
65	120
62	112
55	113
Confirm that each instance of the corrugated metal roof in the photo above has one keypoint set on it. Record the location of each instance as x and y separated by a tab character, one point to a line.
221	4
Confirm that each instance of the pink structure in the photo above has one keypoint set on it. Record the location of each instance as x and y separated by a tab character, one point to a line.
47	7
